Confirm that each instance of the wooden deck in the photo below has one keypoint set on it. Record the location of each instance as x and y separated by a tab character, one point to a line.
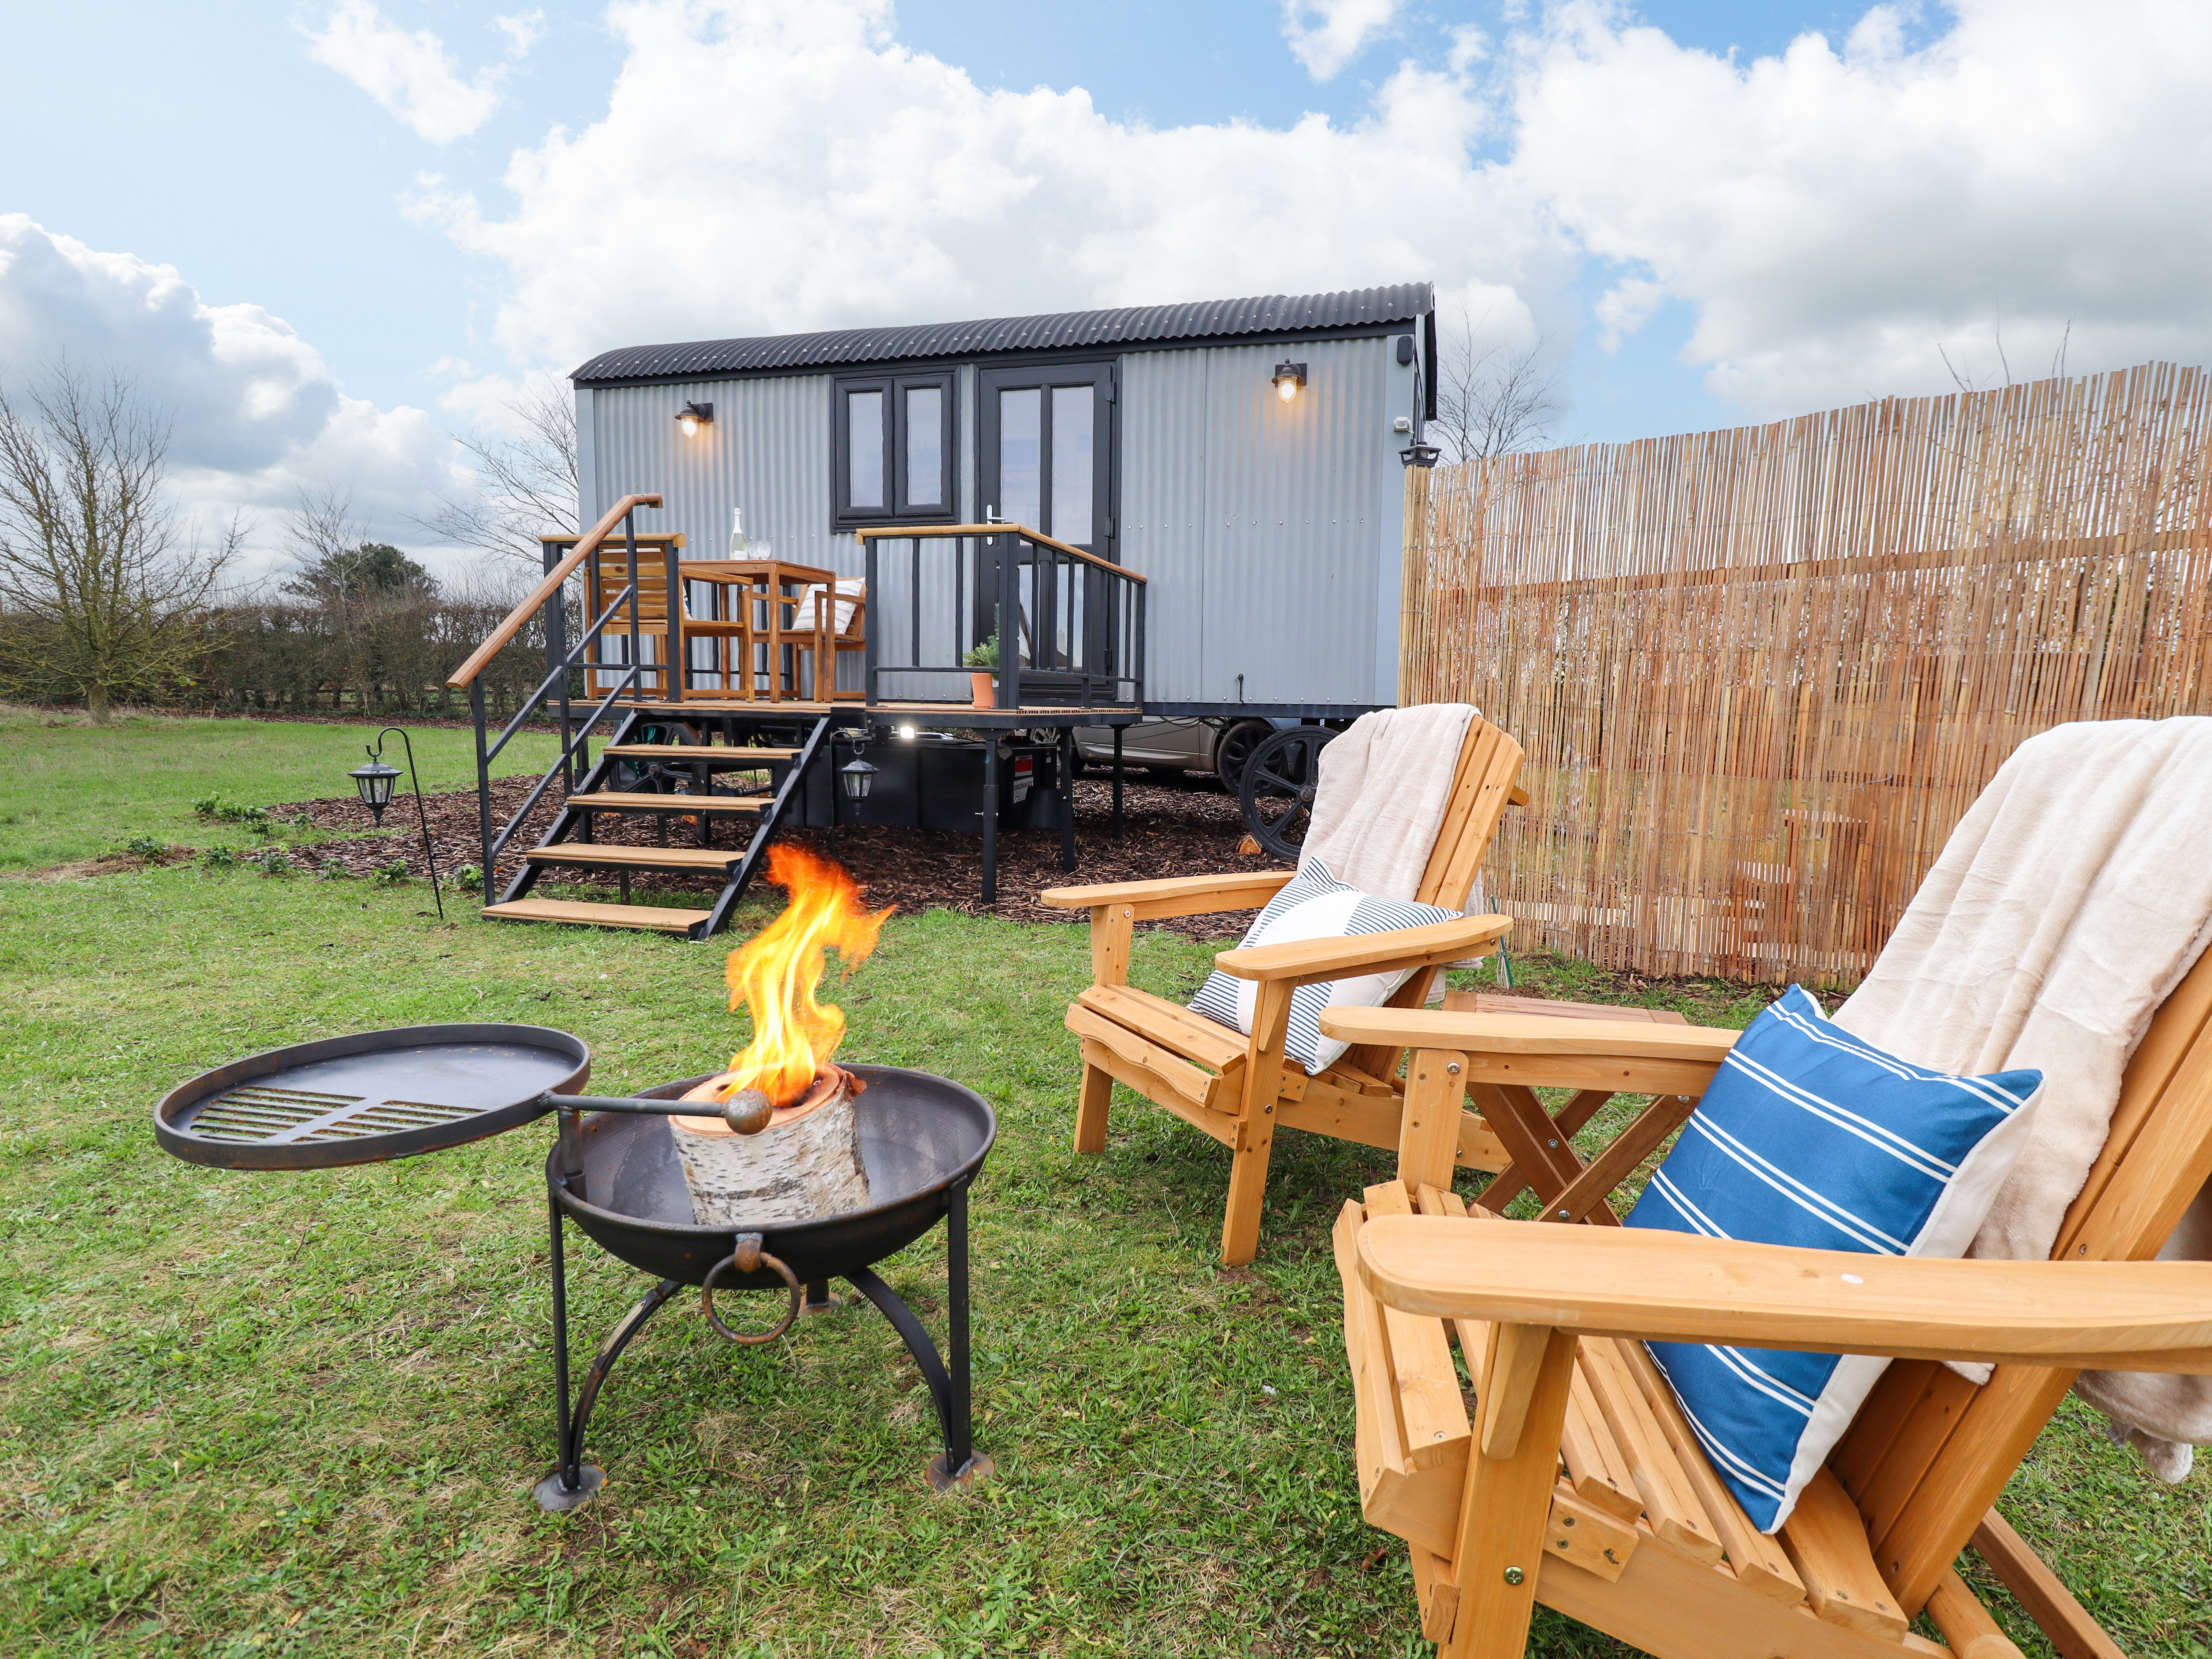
949	714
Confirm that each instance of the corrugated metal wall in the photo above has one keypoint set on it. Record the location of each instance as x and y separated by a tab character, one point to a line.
1269	531
768	452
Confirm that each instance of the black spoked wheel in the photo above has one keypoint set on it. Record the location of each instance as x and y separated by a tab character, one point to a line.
1234	752
1277	794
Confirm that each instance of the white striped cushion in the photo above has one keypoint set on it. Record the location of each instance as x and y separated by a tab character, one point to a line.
1813	1137
1314	904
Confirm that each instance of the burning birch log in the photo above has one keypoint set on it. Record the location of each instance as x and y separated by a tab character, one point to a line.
804	1165
784	1146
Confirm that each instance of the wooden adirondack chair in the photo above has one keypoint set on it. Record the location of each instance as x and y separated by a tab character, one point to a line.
1581	1485
1238	1088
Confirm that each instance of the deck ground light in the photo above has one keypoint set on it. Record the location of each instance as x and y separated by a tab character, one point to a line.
375	780
1420	455
1288	378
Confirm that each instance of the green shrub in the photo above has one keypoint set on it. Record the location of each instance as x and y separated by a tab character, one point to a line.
220	858
255	818
395	871
331	870
469	875
274	863
153	851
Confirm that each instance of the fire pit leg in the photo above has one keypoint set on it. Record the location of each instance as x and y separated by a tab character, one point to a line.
961	1465
575	1481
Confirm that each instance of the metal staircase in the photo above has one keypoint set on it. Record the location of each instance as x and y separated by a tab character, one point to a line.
648	770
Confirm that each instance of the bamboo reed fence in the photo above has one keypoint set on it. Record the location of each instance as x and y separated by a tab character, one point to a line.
1760	674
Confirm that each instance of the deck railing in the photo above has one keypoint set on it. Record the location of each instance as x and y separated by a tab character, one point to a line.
1070	625
547	598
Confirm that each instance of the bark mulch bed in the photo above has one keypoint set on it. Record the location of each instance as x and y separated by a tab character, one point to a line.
1170	828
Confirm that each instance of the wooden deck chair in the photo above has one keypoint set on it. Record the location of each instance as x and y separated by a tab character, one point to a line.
1239	1089
1580	1484
834	630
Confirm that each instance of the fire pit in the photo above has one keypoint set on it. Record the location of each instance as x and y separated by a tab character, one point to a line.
613	1170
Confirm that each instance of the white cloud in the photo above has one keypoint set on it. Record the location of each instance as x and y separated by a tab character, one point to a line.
1830	216
411	74
849	180
1326	34
256	415
522	30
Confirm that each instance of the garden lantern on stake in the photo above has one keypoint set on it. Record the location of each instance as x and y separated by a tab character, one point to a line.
375	780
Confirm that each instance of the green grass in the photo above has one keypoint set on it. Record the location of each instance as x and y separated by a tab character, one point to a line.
299	1414
70	791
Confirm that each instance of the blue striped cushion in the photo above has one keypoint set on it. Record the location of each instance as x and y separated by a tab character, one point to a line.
1813	1137
1314	904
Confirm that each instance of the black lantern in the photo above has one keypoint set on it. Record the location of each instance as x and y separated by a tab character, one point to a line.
856	778
692	416
1287	379
375	780
1420	455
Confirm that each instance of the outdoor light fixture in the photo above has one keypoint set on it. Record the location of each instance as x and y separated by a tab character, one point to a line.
856	777
692	416
1288	378
375	782
907	732
1420	455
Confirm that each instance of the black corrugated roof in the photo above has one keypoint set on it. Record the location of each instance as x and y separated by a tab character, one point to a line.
1205	319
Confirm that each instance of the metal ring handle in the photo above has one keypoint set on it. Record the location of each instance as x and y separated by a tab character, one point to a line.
745	1259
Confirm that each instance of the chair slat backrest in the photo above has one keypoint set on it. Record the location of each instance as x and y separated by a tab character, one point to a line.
1929	1451
1482	783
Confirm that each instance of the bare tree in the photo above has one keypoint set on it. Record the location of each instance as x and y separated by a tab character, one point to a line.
526	485
108	594
1492	399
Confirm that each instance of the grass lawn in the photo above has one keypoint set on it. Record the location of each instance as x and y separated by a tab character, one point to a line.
274	1415
70	791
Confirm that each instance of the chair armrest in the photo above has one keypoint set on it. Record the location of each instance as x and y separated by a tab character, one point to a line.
1528	1034
1304	961
1671	1287
1176	896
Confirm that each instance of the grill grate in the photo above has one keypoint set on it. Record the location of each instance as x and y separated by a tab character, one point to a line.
370	1097
260	1112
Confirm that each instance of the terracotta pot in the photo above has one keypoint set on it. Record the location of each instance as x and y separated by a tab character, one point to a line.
982	695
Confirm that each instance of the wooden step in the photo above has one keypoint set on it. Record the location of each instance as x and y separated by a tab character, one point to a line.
656	917
711	859
611	800
689	754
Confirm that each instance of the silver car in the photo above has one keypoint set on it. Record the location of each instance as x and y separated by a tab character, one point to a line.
1188	743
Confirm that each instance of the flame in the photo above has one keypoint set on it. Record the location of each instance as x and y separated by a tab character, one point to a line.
776	972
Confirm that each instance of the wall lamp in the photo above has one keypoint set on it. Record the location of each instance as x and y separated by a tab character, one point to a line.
1288	378
692	416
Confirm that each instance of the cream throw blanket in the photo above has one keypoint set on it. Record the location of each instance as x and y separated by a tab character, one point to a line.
2074	894
1385	782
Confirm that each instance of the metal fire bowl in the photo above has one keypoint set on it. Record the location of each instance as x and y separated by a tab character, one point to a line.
922	1139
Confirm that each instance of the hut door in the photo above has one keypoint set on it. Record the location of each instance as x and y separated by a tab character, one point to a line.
1047	438
1048	450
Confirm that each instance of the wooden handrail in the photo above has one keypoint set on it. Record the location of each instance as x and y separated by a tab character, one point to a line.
545	590
900	532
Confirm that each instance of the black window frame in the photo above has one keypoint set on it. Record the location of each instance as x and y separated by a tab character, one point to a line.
894	384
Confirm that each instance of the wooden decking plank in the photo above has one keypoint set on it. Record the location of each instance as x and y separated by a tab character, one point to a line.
689	753
655	918
610	856
615	800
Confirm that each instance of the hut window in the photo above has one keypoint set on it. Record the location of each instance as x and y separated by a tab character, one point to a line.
892	441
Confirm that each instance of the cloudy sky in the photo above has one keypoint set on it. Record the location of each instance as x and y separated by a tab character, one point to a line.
329	234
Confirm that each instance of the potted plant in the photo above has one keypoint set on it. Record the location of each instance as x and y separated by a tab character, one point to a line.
984	660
